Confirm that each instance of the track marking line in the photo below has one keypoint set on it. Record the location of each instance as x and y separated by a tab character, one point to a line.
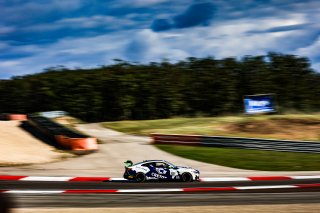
89	191
266	187
104	179
42	178
306	177
203	189
197	189
261	178
310	185
89	179
148	190
34	191
221	179
10	177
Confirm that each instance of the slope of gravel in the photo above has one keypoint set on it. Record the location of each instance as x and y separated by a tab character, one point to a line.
19	147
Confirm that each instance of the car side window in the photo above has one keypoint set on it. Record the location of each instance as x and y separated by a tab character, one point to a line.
148	165
162	165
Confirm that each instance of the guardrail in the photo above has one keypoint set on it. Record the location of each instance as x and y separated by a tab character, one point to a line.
64	136
238	142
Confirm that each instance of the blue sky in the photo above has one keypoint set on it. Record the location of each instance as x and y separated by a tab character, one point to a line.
35	35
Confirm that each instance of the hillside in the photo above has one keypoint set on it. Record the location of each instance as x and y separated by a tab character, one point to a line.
18	147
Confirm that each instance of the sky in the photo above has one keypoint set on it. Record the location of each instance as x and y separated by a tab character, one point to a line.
36	35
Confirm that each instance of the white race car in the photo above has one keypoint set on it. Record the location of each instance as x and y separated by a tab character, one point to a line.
159	170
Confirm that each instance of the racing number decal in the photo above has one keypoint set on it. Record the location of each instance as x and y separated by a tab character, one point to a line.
161	171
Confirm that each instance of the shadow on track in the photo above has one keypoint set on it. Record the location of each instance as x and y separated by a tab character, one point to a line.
6	203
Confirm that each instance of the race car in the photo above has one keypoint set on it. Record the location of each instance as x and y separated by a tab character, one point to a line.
159	170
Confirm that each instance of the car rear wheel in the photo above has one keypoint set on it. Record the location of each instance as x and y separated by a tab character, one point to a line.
186	177
140	177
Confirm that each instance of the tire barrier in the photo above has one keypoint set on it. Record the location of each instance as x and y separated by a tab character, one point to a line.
65	137
77	143
238	142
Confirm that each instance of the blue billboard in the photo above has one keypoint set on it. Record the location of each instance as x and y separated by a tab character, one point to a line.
254	104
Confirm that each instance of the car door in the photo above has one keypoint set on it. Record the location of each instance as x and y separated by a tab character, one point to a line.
163	171
152	170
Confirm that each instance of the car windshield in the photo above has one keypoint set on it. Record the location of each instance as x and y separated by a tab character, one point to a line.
170	164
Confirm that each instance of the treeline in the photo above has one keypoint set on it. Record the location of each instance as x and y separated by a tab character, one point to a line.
195	86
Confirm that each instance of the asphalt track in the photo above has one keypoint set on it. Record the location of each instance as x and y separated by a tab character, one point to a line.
258	196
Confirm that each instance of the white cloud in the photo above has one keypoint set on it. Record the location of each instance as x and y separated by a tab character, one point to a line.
9	63
148	46
104	22
36	10
95	21
231	38
3	46
6	29
312	52
66	5
140	3
81	52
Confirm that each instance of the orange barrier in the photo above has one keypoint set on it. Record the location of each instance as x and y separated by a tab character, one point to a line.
77	143
17	117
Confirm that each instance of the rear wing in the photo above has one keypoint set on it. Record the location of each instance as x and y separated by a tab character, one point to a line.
128	163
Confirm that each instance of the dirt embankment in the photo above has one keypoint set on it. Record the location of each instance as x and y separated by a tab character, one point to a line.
282	128
19	147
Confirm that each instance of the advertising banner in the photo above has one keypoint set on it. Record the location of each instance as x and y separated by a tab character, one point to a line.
53	114
254	104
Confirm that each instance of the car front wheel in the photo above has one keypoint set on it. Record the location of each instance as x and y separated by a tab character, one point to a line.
186	177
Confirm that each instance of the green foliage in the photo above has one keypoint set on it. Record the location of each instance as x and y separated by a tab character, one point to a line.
205	86
248	159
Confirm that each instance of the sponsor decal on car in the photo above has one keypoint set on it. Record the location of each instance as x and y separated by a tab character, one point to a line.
161	171
158	176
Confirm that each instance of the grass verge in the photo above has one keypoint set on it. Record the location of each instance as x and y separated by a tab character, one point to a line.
248	159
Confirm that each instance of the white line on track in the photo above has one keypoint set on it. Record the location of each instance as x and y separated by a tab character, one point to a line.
266	187
149	190
306	177
224	179
118	179
43	178
34	191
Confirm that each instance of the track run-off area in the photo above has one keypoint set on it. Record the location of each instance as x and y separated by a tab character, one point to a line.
86	181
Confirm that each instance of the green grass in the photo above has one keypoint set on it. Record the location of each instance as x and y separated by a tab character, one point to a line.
237	158
179	125
248	159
